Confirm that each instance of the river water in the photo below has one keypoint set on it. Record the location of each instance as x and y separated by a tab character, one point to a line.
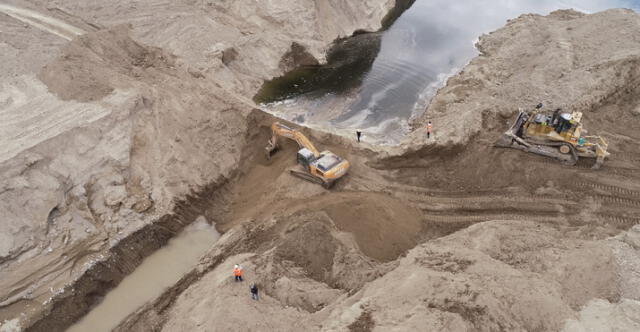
156	273
430	42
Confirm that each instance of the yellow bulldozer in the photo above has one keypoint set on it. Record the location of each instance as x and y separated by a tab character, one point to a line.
556	134
324	168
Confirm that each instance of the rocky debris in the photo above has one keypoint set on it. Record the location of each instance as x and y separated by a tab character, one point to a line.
228	55
297	56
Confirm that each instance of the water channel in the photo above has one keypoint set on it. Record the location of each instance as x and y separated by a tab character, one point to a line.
156	273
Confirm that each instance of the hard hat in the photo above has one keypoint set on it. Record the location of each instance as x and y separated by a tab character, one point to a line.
235	266
566	116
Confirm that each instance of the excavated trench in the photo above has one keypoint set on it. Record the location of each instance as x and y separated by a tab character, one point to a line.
121	260
157	272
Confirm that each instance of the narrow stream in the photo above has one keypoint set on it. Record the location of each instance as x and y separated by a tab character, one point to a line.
427	44
156	273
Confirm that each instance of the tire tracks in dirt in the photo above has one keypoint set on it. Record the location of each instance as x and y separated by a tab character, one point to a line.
42	22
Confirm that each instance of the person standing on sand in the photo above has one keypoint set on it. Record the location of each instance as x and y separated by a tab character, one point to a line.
237	272
254	291
358	134
429	129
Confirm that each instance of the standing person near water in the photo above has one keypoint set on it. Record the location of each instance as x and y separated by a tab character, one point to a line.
429	129
254	291
358	134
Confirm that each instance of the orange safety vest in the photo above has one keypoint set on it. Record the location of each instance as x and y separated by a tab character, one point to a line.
237	272
429	127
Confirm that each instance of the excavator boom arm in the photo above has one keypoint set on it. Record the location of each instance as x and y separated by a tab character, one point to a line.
279	129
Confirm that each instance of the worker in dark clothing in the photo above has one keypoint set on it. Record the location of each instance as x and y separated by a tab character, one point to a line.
555	118
254	291
358	134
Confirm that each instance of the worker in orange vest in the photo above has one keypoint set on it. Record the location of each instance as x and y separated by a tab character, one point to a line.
237	272
429	129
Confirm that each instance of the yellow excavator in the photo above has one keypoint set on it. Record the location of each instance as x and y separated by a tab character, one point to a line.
324	168
554	134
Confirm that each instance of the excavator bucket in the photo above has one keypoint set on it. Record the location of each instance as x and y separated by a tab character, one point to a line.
270	149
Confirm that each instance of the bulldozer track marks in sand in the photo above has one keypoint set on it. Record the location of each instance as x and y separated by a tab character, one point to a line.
470	207
616	200
414	190
621	221
615	190
629	157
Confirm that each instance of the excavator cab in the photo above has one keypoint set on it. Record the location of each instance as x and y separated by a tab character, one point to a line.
306	158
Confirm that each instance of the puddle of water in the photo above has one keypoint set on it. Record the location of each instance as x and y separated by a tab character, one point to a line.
428	43
156	273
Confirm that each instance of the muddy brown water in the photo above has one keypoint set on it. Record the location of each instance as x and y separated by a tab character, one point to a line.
157	272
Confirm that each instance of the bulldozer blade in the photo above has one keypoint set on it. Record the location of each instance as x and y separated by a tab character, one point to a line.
503	142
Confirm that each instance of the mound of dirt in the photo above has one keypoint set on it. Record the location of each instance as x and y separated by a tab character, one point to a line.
383	227
311	247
